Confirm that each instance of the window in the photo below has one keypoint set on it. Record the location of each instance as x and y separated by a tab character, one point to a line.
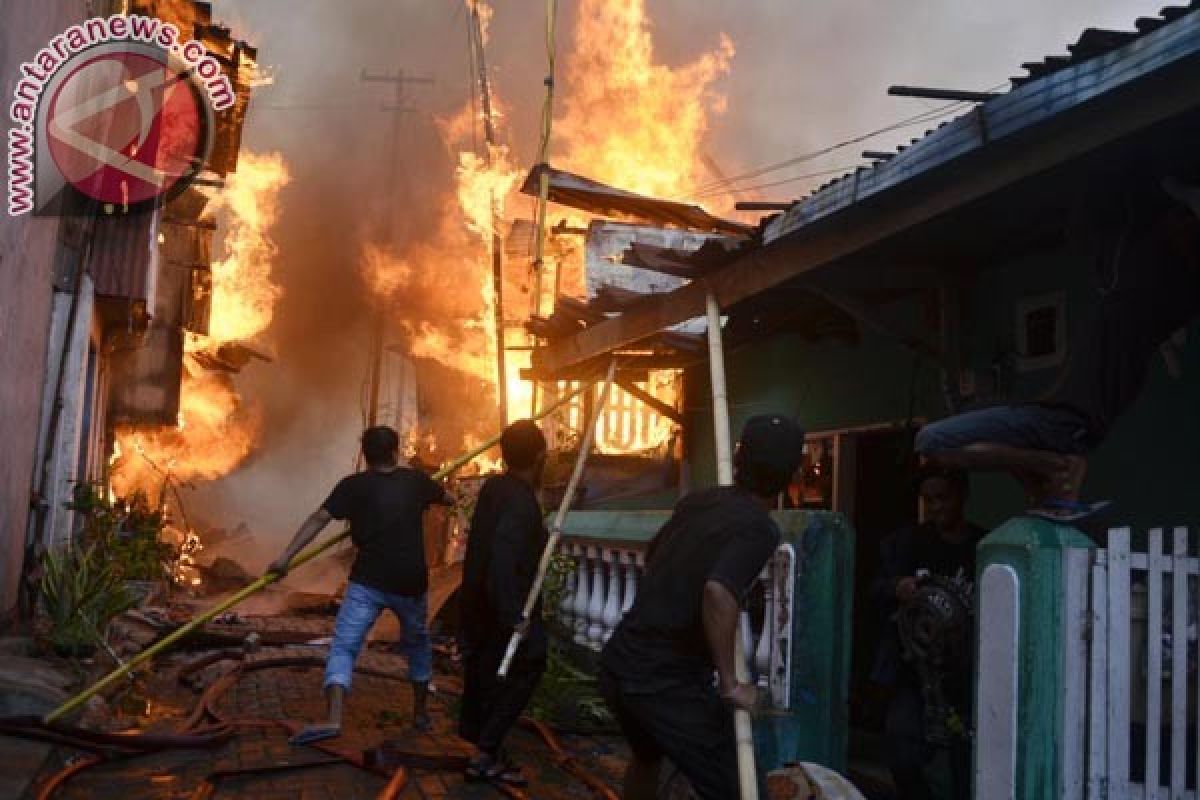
1041	332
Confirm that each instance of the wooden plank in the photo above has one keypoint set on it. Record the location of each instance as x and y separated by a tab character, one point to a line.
1077	563
1107	120
665	409
1119	674
1154	609
1097	746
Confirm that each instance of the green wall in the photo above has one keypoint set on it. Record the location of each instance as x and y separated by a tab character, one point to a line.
1149	466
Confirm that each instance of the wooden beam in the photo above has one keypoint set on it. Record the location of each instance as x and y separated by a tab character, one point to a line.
631	366
1001	164
665	409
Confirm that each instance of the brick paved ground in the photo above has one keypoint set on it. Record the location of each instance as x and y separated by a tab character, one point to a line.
378	710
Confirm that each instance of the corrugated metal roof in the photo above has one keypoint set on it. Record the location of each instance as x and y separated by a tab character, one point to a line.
592	196
123	255
1034	97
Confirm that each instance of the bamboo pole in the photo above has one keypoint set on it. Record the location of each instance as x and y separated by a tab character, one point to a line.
556	531
743	729
266	580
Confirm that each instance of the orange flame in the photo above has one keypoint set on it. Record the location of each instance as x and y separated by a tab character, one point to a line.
215	433
628	120
244	295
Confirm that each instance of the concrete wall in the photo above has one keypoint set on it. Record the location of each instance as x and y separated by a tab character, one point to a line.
27	253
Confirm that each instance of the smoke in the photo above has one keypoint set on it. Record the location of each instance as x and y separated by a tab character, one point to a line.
804	75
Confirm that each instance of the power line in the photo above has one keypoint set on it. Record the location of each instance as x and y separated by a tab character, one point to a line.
709	187
917	119
793	179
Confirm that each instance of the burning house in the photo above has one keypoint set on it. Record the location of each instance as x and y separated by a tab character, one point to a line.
145	322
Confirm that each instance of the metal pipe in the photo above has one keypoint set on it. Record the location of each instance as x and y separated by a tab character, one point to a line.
930	93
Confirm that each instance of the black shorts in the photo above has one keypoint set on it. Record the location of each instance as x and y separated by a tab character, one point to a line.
689	725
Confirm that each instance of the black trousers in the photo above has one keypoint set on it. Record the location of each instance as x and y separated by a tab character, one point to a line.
689	725
490	705
907	752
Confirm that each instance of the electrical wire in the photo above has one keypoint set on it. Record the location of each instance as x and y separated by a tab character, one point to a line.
917	119
793	179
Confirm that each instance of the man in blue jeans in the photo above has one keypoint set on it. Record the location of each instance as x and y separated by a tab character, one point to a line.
384	505
1151	259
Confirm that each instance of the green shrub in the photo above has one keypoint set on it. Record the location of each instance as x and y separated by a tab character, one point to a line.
80	594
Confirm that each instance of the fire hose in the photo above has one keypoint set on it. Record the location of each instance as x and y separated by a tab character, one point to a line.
265	581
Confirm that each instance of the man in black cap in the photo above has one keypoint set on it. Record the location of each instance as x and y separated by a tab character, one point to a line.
505	545
657	669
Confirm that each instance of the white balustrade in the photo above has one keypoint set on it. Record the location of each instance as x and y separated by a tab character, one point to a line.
595	612
762	654
612	599
604	584
580	607
567	601
633	566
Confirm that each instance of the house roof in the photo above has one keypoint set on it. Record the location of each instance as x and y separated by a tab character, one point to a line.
576	191
1100	61
1134	100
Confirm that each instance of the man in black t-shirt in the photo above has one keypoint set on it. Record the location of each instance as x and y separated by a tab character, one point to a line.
384	505
657	669
942	547
505	545
1151	257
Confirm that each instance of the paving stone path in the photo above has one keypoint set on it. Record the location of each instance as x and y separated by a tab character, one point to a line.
378	711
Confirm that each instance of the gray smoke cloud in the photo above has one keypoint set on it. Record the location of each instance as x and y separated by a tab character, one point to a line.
806	74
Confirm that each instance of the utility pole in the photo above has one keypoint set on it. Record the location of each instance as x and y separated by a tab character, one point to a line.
398	106
489	135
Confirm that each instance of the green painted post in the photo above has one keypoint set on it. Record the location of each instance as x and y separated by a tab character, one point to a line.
1022	642
816	726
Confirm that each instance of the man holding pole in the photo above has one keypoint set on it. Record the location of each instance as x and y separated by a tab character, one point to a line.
506	541
384	505
657	669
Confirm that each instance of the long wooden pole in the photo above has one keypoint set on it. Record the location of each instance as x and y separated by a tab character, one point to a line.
743	729
265	581
556	531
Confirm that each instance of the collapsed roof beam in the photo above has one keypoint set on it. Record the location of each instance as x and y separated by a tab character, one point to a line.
665	409
930	93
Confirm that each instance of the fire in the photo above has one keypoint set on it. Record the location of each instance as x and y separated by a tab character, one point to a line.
627	119
215	432
244	295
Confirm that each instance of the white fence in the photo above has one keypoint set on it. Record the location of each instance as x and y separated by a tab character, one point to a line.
1130	669
604	583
